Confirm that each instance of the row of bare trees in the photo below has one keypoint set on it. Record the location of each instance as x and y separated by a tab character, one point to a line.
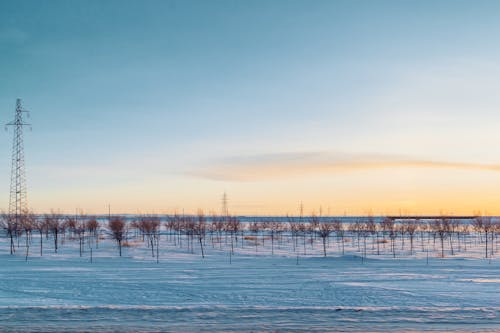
455	233
54	225
230	232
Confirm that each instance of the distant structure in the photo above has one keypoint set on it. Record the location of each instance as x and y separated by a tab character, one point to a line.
225	211
18	202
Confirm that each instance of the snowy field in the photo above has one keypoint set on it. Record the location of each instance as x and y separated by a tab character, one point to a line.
250	290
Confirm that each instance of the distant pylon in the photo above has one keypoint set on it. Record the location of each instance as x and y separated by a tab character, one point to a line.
225	211
18	202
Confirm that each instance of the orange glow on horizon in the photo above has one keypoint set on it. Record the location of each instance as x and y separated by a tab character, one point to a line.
409	190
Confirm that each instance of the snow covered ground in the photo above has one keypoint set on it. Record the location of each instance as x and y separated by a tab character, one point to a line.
247	291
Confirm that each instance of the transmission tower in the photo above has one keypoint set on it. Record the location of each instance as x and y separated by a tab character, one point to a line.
18	203
225	211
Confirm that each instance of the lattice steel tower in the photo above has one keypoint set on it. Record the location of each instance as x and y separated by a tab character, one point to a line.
18	203
225	211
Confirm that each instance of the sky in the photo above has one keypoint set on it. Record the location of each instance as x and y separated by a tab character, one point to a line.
348	107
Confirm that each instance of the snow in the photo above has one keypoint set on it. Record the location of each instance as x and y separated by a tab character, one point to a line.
247	291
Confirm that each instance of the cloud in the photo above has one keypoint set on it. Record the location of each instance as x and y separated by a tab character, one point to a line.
287	165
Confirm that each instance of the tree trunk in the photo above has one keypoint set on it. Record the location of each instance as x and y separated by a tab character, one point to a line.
486	244
201	246
12	247
55	241
27	247
41	244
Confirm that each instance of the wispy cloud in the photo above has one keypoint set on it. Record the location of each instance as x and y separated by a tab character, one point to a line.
287	165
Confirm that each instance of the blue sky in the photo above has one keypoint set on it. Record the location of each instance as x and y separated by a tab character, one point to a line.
140	103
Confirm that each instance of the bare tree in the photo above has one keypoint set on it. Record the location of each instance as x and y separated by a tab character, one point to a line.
274	228
27	223
411	227
455	228
465	234
42	227
484	224
173	224
232	226
324	231
219	227
365	229
294	228
189	224
313	226
70	224
200	229
255	229
357	228
10	225
116	225
54	225
303	228
440	228
339	230
388	227
423	228
371	229
92	227
80	229
149	226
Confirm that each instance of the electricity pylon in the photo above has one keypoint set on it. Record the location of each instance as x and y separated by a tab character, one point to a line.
18	202
225	211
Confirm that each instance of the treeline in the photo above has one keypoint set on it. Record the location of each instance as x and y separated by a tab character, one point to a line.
49	226
367	235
